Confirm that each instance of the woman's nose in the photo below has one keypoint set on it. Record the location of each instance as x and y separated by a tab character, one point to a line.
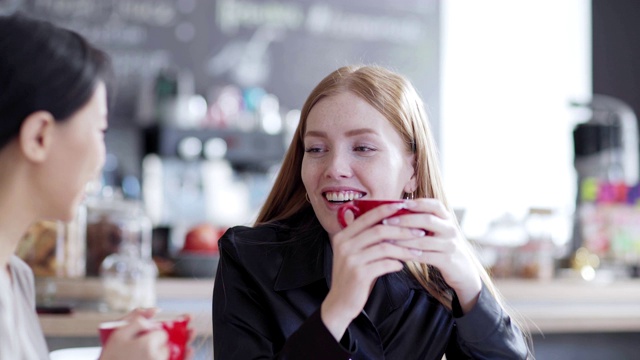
338	166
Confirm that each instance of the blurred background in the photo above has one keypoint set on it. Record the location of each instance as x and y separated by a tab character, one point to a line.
533	104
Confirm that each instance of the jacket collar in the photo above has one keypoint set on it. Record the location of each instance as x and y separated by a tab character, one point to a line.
303	263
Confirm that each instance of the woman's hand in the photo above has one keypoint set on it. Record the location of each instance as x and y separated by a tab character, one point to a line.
189	351
361	254
139	339
444	247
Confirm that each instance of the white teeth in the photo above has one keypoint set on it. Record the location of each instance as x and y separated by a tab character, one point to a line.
342	196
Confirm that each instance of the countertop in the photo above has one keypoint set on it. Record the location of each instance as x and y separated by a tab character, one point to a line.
174	297
553	306
574	305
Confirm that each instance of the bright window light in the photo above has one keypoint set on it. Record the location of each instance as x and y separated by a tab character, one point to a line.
509	71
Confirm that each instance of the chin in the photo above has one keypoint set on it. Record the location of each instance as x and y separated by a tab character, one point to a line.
331	227
71	212
68	216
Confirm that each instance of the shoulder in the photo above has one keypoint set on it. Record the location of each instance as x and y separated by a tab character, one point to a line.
247	237
259	248
20	270
22	275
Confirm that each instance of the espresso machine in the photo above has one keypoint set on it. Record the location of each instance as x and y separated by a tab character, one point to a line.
605	148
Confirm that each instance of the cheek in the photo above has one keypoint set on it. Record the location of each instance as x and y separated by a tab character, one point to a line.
384	178
312	170
305	173
91	160
102	153
96	153
374	168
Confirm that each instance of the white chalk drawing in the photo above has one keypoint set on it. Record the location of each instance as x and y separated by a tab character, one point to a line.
248	63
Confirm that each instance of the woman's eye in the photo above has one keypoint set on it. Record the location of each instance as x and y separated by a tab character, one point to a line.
312	149
363	148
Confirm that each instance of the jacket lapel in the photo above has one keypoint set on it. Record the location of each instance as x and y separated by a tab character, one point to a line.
302	264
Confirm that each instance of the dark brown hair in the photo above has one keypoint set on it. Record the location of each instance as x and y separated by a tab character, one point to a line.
44	67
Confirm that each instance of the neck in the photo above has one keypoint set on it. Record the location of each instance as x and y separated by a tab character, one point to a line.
11	231
15	199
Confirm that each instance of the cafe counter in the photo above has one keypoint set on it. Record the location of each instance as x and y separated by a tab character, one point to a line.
555	306
86	308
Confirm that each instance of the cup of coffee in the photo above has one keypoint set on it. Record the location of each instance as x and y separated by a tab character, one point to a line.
361	206
176	329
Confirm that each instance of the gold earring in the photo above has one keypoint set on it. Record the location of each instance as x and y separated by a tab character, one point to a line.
306	196
410	196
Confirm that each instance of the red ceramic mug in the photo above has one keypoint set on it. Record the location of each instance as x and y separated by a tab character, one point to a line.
177	331
361	206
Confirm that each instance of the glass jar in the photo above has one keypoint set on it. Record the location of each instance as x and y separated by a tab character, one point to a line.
55	248
111	221
128	279
119	251
536	258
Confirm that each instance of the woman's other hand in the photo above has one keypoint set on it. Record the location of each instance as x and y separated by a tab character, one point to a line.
442	247
189	351
139	339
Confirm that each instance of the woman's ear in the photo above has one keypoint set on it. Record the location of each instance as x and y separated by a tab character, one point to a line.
36	135
412	184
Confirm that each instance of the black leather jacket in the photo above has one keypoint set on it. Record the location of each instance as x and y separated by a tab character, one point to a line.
267	297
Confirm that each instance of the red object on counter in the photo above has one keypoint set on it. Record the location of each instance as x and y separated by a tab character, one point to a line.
202	238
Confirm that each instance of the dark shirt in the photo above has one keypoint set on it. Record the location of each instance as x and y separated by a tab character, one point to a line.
267	297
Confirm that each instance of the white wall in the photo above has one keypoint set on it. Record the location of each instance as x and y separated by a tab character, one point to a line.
510	69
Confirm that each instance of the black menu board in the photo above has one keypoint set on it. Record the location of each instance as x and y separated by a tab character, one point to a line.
285	46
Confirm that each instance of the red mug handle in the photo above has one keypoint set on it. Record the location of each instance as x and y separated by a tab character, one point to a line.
342	211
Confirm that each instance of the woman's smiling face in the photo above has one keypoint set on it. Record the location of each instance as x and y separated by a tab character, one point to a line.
352	151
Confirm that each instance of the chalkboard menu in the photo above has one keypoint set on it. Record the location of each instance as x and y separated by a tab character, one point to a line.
284	46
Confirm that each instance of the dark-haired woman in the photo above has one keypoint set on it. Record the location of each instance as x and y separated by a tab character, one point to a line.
53	115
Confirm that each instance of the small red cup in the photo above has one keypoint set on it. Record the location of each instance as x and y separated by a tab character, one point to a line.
177	331
361	206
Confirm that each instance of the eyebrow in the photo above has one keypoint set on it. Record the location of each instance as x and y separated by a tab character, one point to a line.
353	132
